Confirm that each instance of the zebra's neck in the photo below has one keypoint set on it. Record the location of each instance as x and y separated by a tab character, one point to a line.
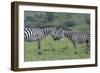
47	30
68	34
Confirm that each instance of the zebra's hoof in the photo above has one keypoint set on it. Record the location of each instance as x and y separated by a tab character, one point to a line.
53	49
75	52
87	52
63	48
39	53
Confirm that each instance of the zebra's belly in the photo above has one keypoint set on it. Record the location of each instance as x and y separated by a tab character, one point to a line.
28	39
81	41
38	37
35	38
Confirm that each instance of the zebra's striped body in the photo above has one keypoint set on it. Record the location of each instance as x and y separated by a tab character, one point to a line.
74	37
77	37
37	34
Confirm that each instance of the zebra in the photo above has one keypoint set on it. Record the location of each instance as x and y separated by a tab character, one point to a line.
74	36
37	34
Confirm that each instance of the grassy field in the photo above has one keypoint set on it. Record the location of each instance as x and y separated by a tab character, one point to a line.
54	50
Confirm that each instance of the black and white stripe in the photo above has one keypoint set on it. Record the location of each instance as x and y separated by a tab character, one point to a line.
78	37
74	37
37	34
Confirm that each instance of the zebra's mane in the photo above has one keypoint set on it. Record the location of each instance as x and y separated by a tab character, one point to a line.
64	28
67	29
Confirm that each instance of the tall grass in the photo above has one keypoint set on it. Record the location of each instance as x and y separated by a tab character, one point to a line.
54	50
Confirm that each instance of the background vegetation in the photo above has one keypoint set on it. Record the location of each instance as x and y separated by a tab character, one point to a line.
63	48
75	21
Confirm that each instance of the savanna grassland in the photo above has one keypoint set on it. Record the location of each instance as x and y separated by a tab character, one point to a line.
56	50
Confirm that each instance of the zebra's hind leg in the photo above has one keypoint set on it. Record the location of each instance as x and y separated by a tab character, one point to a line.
87	47
74	44
39	47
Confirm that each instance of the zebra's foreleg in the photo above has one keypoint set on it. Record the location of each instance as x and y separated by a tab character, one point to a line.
39	47
74	44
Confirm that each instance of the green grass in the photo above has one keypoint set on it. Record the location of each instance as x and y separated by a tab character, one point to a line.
54	50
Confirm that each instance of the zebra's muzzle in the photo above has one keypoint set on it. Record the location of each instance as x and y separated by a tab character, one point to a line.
56	39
